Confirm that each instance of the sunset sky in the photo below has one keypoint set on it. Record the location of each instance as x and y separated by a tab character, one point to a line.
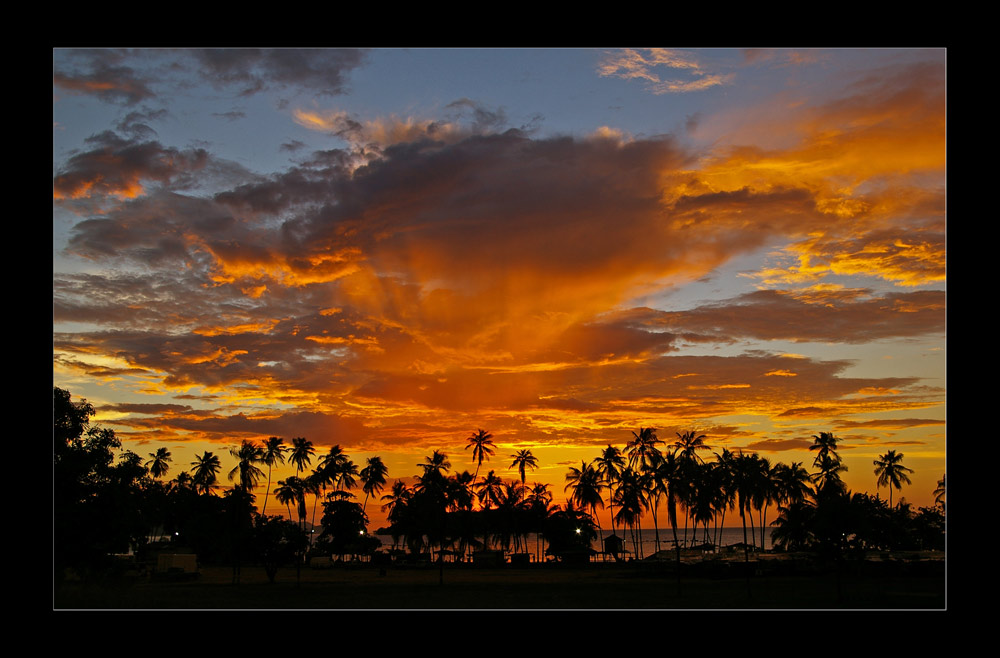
390	249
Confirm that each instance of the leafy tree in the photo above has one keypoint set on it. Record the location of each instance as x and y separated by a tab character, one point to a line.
97	503
276	542
71	420
344	527
569	531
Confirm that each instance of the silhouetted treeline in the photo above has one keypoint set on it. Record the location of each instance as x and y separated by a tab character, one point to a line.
110	501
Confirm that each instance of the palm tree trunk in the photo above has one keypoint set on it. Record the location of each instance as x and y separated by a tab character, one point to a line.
656	529
763	524
267	491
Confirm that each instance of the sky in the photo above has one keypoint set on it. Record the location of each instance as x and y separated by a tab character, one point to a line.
390	249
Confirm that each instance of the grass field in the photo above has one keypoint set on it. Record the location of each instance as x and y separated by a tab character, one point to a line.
596	587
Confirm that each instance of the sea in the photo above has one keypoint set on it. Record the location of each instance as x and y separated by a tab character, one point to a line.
647	540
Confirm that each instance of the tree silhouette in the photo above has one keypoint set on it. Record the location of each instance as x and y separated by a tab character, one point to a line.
688	444
524	459
828	477
641	450
373	478
482	448
301	454
826	446
159	464
396	501
274	453
586	485
631	502
940	492
285	494
276	542
609	466
293	489
891	472
206	469
248	455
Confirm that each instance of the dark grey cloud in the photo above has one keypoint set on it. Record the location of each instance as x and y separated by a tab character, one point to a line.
254	69
130	76
135	124
233	115
838	315
114	165
103	74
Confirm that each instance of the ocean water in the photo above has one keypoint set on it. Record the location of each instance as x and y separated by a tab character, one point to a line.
647	537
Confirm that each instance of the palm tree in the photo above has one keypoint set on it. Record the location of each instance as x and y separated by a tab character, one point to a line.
482	448
490	490
792	483
248	455
642	448
631	502
396	500
794	524
891	472
158	465
373	478
435	464
744	467
656	488
490	495
538	500
286	493
765	492
828	477
669	477
586	485
328	472
688	444
206	468
940	492
522	459
274	453
293	490
609	466
301	454
826	445
724	465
